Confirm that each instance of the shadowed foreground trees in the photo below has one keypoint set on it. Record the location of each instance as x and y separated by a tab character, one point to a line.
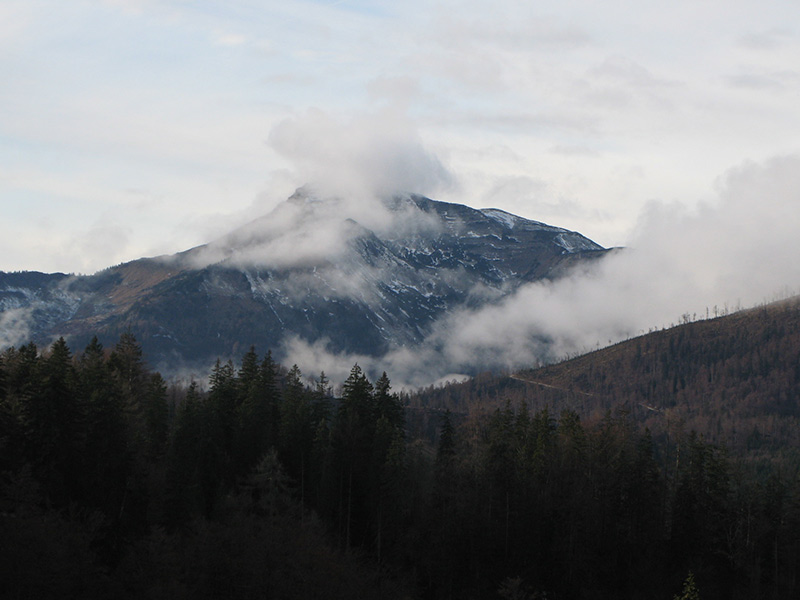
115	484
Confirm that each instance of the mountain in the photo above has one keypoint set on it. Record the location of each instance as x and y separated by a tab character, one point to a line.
359	277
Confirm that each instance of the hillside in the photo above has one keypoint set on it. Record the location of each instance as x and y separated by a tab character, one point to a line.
734	379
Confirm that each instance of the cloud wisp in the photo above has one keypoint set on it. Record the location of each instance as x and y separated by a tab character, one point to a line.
15	326
368	156
345	170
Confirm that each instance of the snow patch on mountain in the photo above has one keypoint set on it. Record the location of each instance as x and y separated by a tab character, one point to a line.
572	242
506	219
510	221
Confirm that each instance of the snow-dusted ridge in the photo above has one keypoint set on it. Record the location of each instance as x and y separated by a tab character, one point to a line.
511	221
359	278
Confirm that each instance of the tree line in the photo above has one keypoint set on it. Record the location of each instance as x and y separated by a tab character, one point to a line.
267	485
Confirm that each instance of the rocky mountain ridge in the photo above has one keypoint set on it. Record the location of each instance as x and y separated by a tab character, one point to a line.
360	278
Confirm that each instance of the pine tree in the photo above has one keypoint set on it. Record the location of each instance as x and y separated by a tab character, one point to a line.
446	448
689	591
321	406
388	404
700	504
248	375
268	400
107	454
182	496
12	439
352	439
156	415
296	428
57	426
127	365
258	413
2	378
127	360
221	405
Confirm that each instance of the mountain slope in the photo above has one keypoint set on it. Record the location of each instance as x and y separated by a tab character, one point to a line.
734	379
360	278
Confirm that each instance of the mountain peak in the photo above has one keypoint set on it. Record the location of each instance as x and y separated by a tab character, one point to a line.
305	195
359	277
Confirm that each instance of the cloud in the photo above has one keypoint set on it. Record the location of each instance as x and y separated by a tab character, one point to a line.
368	156
408	367
681	264
312	358
513	32
298	233
527	123
623	69
231	39
738	251
103	238
15	19
398	92
772	81
498	51
319	233
769	39
348	168
14	326
566	150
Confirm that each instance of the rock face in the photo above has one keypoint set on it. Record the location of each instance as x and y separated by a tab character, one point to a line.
363	278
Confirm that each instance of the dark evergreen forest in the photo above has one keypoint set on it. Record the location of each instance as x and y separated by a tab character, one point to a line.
114	483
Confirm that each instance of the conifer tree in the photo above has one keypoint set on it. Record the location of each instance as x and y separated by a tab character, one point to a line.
321	406
689	591
445	467
156	415
296	428
182	498
12	440
248	375
107	453
388	404
2	378
268	399
258	416
127	360
57	425
352	439
127	366
221	406
447	446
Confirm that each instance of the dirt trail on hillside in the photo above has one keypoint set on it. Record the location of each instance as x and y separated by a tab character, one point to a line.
552	387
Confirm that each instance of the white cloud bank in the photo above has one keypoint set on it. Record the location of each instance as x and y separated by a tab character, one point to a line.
740	250
344	167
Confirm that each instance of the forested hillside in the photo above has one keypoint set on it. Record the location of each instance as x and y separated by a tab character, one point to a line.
265	485
735	380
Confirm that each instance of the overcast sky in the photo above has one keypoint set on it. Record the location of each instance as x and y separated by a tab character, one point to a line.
143	127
